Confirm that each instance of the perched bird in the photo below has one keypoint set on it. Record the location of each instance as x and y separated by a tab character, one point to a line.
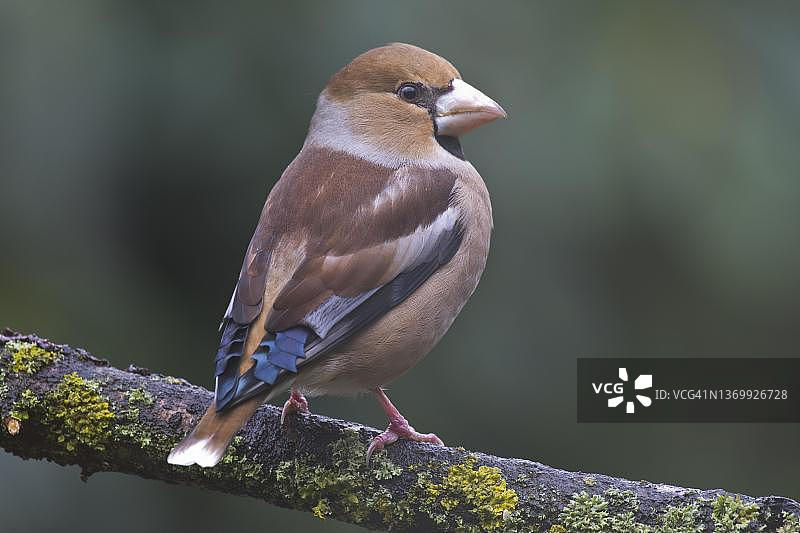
366	250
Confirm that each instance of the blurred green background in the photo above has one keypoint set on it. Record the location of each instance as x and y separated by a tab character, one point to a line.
645	187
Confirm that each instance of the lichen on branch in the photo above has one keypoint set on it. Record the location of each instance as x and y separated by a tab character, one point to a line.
64	405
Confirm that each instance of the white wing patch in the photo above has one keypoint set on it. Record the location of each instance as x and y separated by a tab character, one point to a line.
414	248
324	317
409	252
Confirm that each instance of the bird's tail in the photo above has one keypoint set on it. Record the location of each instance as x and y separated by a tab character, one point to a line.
207	442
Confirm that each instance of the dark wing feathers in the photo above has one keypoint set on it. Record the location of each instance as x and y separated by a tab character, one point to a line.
249	293
230	349
372	236
387	296
261	377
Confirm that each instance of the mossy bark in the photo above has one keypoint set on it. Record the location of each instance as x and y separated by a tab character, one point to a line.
64	405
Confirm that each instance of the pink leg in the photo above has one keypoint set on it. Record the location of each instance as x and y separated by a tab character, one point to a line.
296	403
398	428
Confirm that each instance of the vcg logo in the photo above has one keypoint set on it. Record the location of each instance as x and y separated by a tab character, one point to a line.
644	381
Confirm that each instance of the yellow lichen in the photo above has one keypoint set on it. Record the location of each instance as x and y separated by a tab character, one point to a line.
322	510
26	402
482	490
78	414
29	358
75	412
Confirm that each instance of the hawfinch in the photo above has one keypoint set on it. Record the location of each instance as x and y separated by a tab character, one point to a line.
366	250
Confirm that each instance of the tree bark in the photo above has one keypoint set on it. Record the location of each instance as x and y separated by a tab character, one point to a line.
64	405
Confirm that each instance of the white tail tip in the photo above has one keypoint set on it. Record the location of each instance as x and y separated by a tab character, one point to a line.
200	452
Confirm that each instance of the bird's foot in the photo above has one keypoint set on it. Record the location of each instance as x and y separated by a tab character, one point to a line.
399	429
296	403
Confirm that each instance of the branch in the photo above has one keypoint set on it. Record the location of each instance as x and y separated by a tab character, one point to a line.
64	405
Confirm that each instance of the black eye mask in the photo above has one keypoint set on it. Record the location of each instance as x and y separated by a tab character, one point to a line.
425	97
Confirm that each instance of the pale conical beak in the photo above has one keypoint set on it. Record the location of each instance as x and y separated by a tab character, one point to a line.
464	109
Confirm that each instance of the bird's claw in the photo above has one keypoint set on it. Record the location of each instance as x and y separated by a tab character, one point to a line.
399	430
296	403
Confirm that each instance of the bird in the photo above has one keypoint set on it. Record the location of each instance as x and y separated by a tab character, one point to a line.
366	250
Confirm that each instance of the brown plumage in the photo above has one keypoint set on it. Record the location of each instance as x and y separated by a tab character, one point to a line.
370	243
382	69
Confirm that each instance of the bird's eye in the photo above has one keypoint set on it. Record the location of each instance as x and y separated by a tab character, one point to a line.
409	92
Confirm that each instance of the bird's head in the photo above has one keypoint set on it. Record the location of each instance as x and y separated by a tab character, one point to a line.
397	103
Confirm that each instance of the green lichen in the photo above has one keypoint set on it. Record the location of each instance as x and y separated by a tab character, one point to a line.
136	433
235	464
681	519
346	487
131	429
350	489
626	523
615	511
482	490
621	501
29	358
623	505
139	396
585	513
450	495
22	408
392	511
731	514
385	469
791	523
240	465
78	414
130	426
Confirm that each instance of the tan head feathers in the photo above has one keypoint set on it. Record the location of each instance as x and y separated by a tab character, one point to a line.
384	68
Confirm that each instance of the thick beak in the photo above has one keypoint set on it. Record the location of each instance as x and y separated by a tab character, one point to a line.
464	109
